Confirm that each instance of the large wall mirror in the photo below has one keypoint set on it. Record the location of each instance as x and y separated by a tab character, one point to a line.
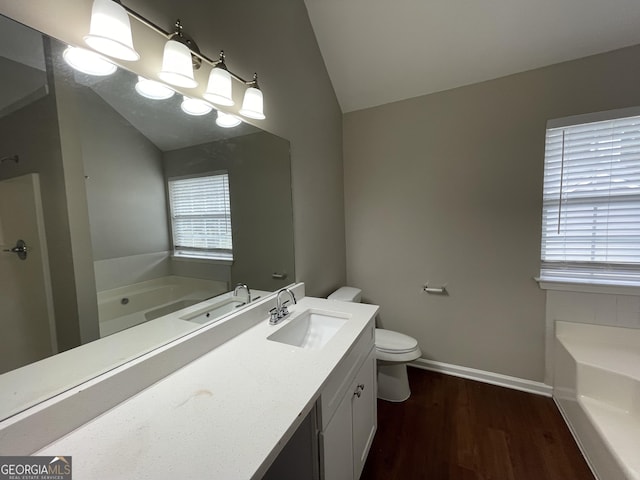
92	179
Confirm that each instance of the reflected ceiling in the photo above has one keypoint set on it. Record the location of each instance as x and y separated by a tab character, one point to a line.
165	124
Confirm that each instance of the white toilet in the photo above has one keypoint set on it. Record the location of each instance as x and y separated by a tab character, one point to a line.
393	351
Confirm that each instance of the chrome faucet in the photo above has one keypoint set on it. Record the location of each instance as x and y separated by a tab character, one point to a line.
240	286
280	312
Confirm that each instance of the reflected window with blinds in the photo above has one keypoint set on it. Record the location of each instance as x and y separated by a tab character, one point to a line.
591	199
201	216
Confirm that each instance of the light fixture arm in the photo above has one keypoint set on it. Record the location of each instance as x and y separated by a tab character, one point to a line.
253	83
179	36
220	62
133	14
179	27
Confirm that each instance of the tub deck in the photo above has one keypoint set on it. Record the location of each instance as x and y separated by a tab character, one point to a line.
125	307
597	387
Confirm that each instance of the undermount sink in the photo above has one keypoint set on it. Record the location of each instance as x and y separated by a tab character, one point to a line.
213	311
311	329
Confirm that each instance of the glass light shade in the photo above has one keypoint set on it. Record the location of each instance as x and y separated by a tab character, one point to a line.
193	106
226	120
252	104
177	68
219	87
88	62
110	31
153	90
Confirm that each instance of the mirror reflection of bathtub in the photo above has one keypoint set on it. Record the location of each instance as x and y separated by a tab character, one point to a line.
130	305
103	156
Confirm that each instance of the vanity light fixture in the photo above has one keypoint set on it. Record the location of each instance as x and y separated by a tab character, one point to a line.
195	106
252	103
226	120
219	85
110	31
178	62
110	34
153	90
87	61
176	65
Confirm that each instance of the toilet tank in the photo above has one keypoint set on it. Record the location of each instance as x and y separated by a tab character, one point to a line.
347	294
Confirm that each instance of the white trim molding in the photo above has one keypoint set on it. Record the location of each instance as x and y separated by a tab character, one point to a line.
507	381
583	287
577	439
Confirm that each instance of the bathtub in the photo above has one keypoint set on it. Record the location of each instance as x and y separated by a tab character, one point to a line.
131	305
597	388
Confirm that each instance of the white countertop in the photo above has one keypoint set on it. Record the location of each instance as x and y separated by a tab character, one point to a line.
225	416
41	380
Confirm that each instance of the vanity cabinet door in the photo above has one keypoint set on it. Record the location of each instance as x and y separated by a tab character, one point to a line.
346	440
364	412
336	444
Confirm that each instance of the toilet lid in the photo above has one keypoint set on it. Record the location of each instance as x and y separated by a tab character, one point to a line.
394	342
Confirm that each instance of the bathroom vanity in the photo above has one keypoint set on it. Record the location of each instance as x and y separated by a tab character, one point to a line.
347	411
230	413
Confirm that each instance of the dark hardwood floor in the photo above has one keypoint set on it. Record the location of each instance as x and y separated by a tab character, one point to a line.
458	429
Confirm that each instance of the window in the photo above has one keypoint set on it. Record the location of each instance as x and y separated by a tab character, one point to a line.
591	199
201	216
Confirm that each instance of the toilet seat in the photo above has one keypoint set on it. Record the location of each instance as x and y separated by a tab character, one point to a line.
395	346
394	342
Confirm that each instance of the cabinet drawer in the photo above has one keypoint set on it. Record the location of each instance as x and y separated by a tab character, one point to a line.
340	379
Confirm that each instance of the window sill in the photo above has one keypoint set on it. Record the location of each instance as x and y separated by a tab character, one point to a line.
201	259
584	287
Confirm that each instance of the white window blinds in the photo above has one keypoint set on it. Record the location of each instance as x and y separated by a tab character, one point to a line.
201	216
591	202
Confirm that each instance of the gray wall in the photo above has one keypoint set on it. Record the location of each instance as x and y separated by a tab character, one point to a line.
39	148
21	85
261	213
275	39
77	214
125	183
447	189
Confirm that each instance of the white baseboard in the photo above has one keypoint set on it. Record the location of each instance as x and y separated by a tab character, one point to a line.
515	383
576	438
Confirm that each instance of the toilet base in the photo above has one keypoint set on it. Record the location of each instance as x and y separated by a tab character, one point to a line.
393	383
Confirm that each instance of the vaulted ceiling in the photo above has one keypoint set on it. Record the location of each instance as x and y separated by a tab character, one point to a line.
381	51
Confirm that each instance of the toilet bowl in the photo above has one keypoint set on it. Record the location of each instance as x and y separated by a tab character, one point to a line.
393	351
